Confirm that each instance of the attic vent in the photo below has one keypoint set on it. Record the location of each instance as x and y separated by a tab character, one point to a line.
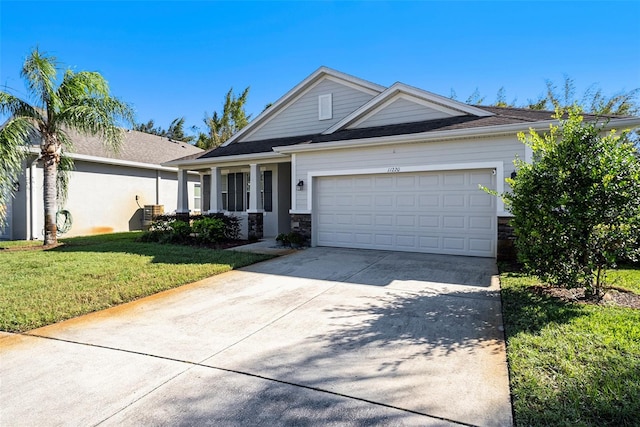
325	108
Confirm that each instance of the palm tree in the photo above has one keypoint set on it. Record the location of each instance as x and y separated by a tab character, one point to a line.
80	101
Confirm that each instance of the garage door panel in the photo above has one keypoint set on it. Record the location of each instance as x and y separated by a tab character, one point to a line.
453	222
406	220
480	223
405	201
430	221
438	212
429	181
453	243
405	182
453	200
406	241
429	201
384	201
363	238
363	219
344	219
481	200
382	183
479	178
382	220
452	179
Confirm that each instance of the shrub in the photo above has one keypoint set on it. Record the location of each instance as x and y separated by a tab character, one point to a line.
209	230
577	206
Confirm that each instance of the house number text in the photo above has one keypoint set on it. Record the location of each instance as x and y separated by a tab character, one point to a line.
393	170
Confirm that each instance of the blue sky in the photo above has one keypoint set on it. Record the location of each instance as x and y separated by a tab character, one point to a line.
171	59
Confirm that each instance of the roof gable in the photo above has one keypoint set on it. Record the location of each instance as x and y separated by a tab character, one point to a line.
401	103
355	92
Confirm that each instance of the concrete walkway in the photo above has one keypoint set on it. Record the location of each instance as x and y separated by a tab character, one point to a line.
319	337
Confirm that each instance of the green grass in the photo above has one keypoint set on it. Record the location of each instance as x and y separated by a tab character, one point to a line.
571	364
626	277
41	287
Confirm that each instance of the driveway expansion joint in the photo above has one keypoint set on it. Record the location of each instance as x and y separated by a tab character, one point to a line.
237	372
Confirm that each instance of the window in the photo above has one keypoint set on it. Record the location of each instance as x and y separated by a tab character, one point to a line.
197	197
325	110
267	191
224	192
235	192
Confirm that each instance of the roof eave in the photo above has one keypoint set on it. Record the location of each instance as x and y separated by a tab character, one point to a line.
509	129
268	155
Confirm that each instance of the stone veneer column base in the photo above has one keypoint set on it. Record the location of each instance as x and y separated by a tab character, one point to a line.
256	227
182	216
506	240
301	223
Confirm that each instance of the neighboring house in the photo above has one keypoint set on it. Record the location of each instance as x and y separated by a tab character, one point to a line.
107	190
350	163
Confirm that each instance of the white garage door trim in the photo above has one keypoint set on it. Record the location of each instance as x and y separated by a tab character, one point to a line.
467	241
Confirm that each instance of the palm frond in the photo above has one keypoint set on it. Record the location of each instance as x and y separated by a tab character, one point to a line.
15	135
13	106
40	72
98	116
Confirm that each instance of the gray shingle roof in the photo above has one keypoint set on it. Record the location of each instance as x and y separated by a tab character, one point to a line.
502	116
136	147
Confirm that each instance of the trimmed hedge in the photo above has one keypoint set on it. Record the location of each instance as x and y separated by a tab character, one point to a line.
205	229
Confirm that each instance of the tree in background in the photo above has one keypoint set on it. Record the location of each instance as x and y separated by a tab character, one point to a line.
592	101
222	127
150	128
175	131
577	205
79	101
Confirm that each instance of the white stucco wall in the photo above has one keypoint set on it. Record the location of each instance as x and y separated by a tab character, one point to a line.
102	199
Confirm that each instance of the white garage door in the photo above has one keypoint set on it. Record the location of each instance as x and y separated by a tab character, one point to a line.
434	212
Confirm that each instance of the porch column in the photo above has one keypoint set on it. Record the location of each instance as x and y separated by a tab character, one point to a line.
183	192
215	191
255	214
254	189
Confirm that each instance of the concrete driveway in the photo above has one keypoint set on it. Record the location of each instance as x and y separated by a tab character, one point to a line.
320	337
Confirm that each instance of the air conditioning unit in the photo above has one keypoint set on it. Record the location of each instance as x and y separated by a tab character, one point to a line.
150	214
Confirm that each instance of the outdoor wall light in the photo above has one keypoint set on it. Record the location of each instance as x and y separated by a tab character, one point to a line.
514	174
300	185
16	186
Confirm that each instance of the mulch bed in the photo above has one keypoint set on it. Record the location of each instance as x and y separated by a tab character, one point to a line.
612	297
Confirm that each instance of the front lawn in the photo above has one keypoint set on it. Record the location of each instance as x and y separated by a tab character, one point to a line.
41	287
570	363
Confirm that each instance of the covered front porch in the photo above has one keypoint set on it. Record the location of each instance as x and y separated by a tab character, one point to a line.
258	193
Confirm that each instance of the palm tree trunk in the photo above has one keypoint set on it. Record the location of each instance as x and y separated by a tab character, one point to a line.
50	205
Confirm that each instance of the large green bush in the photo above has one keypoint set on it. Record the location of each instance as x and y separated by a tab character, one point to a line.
206	229
209	230
577	205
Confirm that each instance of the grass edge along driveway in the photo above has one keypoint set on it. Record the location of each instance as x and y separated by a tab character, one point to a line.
569	363
87	274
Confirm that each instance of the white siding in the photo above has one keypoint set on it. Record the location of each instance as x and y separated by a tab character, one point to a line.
417	154
301	117
401	111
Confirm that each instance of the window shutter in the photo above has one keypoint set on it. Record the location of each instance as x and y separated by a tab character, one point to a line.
268	191
325	107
